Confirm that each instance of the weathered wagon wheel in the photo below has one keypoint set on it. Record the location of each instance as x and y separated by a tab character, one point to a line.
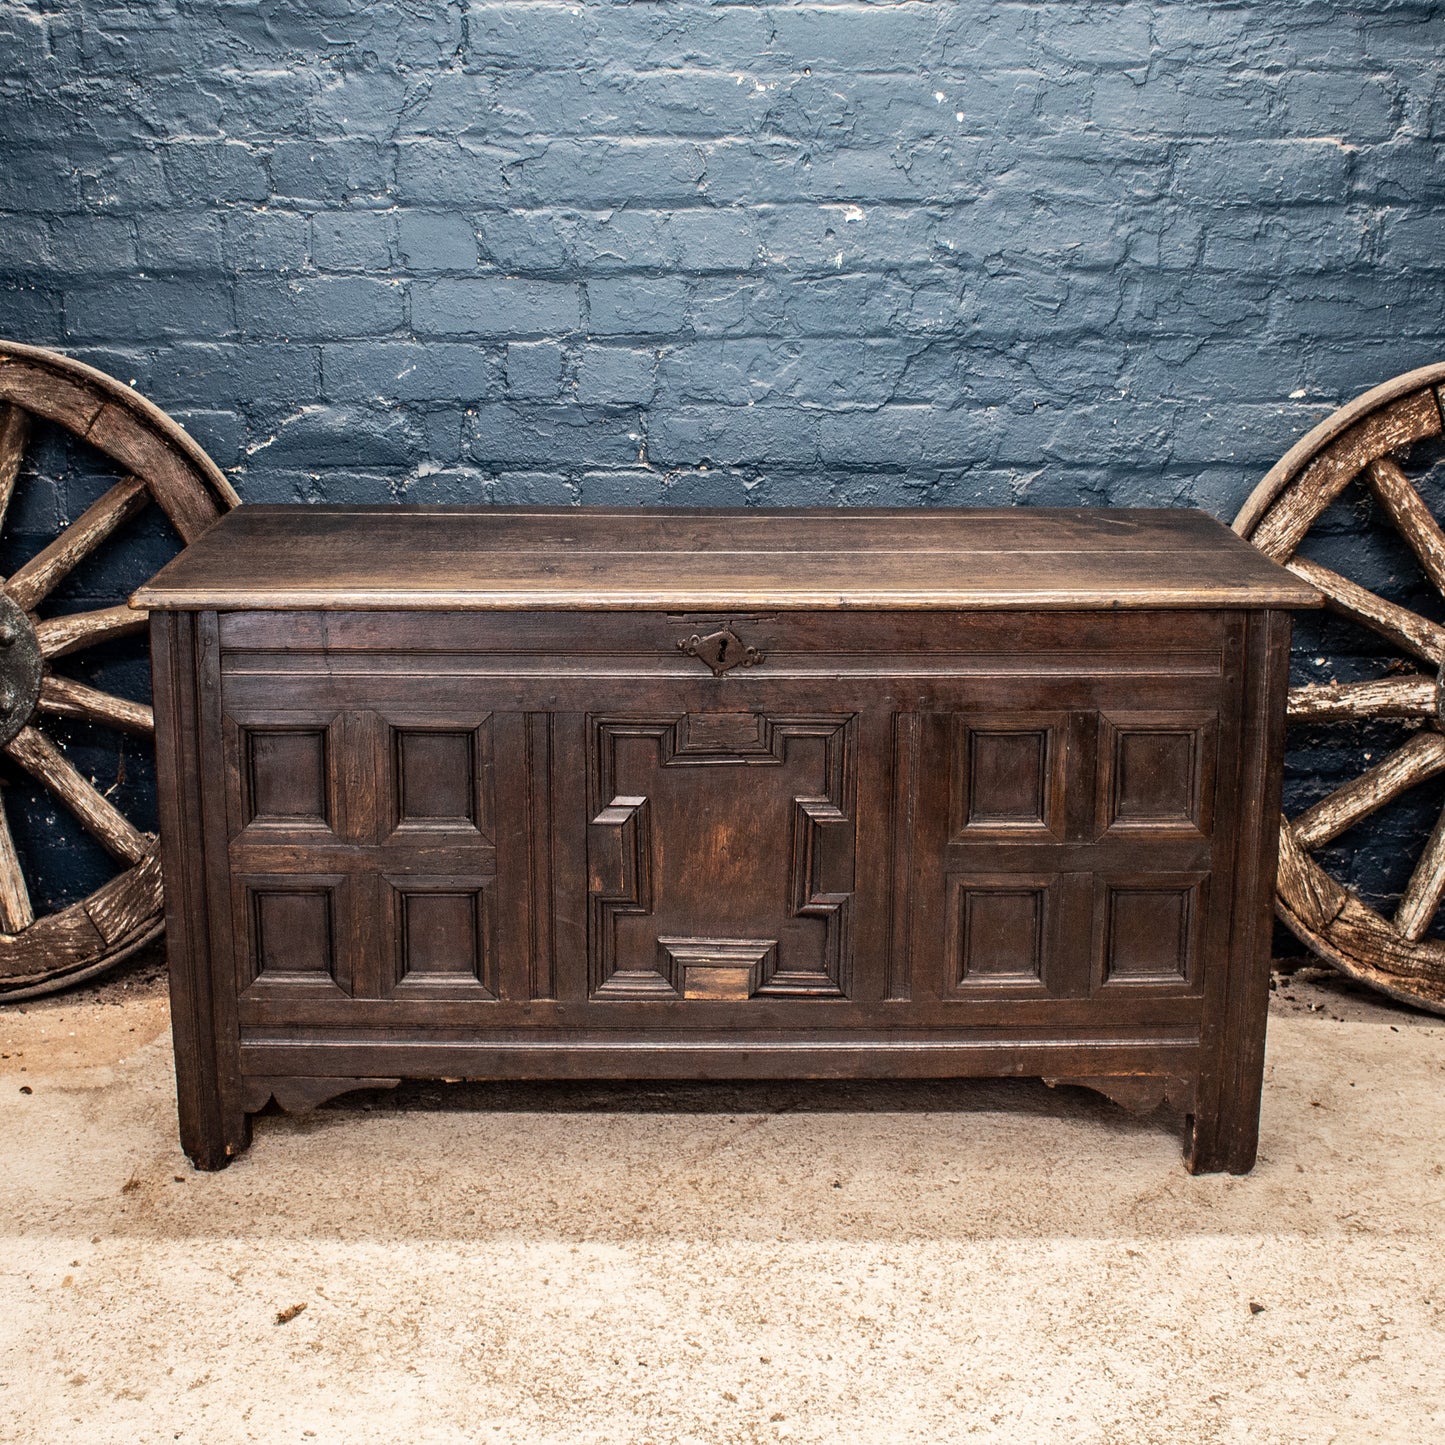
161	464
1366	441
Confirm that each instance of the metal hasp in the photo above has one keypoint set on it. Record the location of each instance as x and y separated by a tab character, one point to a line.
721	651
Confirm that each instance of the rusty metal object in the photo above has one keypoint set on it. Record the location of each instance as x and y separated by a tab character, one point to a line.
1364	443
159	463
722	650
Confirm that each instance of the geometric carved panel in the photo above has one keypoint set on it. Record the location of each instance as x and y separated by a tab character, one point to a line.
998	932
716	969
1008	777
1155	773
293	936
434	775
619	863
721	856
442	931
293	932
437	778
1150	931
284	776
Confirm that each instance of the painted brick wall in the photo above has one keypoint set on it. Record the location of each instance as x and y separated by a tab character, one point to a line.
901	252
913	253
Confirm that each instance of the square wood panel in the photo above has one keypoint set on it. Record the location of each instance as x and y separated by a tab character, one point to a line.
441	778
281	774
718	832
443	938
293	935
1008	777
1156	773
1000	933
1148	931
285	772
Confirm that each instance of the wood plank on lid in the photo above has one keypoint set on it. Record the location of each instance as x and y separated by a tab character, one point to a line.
345	557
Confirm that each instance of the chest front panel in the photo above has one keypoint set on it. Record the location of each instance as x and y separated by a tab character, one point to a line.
441	823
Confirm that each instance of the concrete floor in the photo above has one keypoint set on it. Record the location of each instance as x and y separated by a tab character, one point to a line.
992	1262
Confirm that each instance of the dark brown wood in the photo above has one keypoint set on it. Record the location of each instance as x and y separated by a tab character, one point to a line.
213	1124
549	842
443	558
1225	1125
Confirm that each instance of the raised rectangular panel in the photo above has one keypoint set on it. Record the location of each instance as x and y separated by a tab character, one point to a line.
436	777
724	735
284	776
293	932
999	932
1149	930
1008	777
292	935
443	938
1156	773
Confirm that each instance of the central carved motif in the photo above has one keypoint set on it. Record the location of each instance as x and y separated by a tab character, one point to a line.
721	857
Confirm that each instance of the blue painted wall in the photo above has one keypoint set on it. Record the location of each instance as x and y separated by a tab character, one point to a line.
906	253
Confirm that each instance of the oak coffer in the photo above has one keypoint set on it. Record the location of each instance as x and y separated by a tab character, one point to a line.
495	793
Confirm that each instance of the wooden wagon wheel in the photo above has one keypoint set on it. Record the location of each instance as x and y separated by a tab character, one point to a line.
162	464
1359	442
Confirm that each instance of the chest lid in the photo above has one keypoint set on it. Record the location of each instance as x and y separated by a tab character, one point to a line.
574	558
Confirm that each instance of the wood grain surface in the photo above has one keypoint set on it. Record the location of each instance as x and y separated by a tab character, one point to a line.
578	836
447	558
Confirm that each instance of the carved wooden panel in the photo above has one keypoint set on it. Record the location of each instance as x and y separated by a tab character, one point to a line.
1041	807
1156	772
441	778
721	856
443	943
1002	932
395	812
285	773
1009	776
719	969
619	860
282	773
294	935
1148	930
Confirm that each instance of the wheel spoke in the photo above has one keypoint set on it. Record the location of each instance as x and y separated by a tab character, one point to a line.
66	698
76	630
38	577
1411	516
1421	899
16	913
1404	628
1406	696
1422	757
43	760
14	432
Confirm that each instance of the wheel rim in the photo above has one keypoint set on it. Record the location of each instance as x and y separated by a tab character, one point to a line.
1363	444
161	465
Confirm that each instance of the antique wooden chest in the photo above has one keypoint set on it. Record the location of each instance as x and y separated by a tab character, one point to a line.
496	793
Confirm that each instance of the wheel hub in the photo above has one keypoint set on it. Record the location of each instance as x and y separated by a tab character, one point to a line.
21	668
